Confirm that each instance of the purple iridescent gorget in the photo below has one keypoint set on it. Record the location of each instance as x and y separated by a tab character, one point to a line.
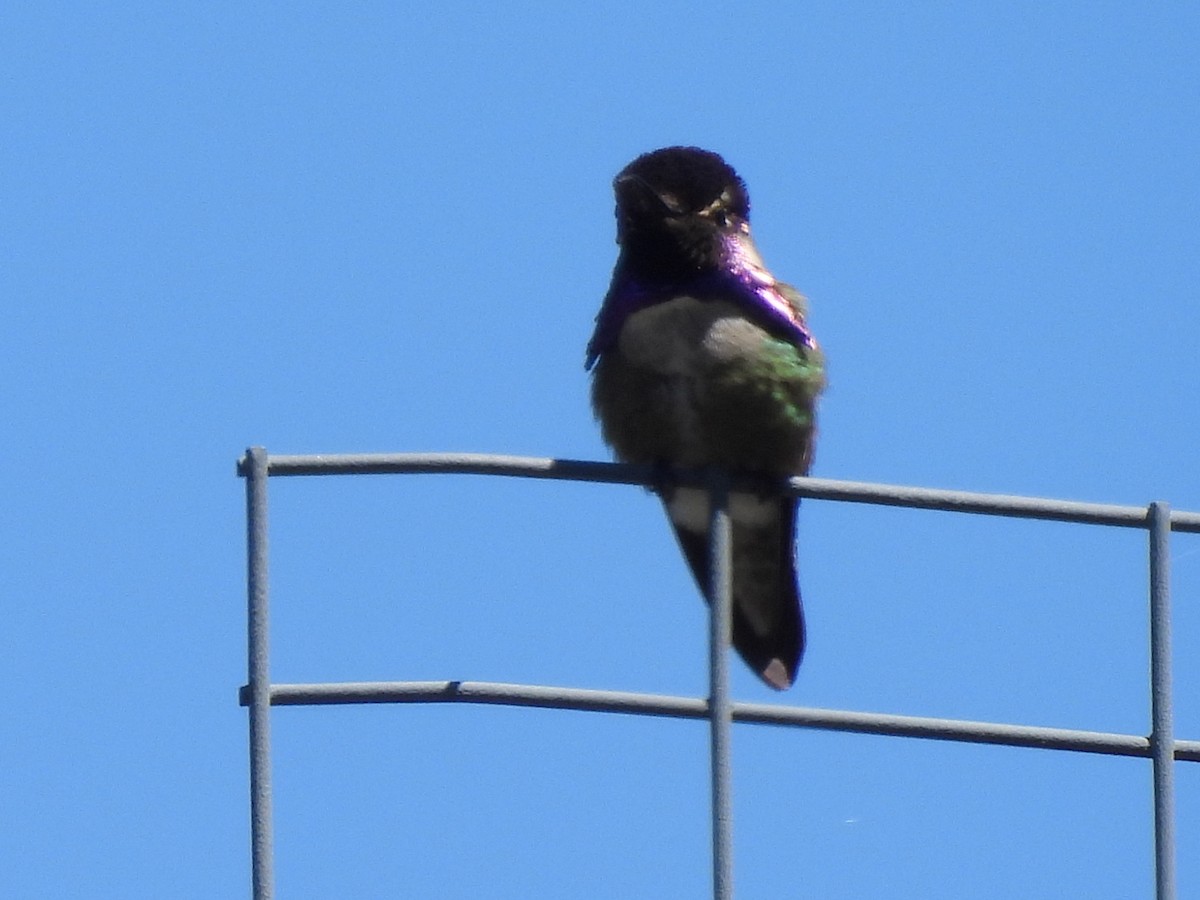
742	278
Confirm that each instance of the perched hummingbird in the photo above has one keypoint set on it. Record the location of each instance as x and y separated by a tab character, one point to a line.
703	359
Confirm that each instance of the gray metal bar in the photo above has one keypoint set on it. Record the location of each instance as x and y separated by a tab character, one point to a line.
544	697
720	632
262	862
1162	734
820	488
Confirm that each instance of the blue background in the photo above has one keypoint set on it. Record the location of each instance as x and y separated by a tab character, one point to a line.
327	228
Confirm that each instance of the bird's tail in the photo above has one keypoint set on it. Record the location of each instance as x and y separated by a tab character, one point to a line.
768	619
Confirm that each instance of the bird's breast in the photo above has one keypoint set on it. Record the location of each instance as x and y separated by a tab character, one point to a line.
686	336
695	382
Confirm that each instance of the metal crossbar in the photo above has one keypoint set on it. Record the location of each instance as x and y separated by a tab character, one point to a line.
260	694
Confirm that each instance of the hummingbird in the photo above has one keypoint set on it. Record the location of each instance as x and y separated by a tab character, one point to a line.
700	358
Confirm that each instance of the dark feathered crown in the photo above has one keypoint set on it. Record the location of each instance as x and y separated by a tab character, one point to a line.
693	176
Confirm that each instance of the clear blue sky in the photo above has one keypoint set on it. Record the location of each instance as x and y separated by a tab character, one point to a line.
329	228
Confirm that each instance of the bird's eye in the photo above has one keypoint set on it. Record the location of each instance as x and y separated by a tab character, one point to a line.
721	217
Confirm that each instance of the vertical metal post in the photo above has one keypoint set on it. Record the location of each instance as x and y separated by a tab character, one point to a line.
719	709
1162	734
262	864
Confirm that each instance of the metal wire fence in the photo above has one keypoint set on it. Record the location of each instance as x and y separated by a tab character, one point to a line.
259	694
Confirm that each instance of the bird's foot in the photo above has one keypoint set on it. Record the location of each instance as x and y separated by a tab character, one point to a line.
662	480
767	487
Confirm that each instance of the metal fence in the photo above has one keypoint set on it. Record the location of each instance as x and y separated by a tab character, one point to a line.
260	694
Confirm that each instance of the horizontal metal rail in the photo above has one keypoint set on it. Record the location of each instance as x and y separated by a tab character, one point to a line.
498	694
621	473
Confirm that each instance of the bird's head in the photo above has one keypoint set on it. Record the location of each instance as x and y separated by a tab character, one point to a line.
679	210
